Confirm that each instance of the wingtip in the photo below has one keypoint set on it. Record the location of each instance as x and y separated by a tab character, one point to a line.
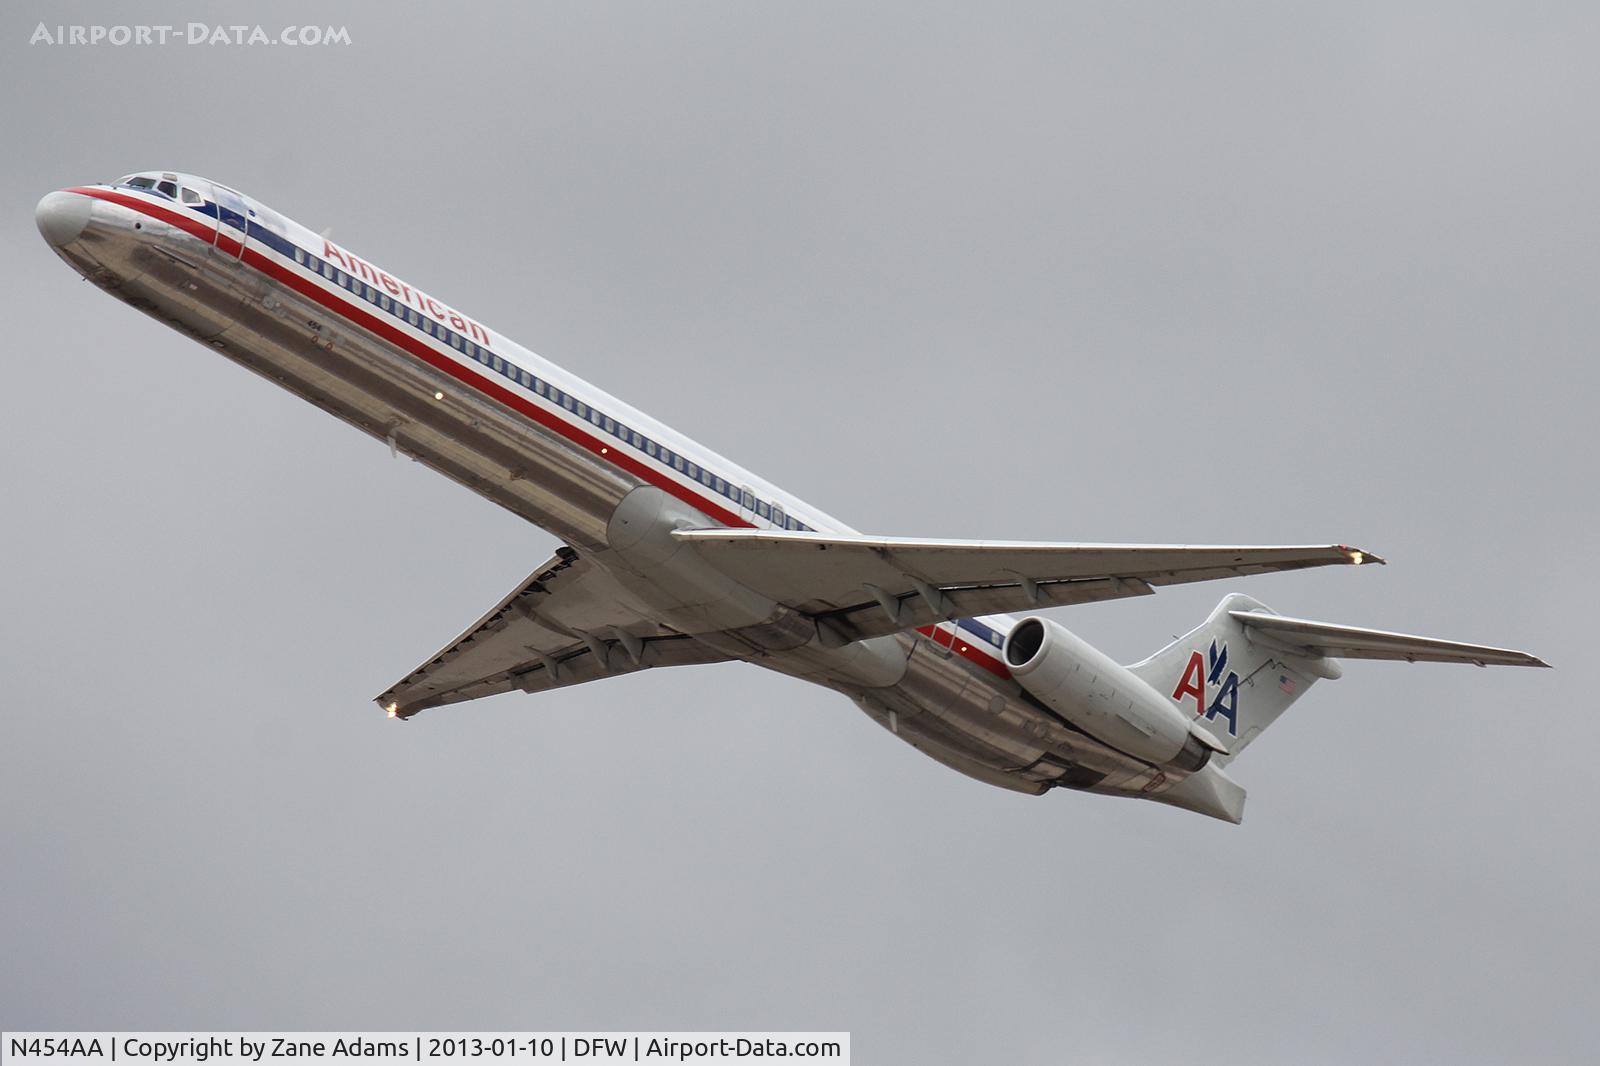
391	708
1360	556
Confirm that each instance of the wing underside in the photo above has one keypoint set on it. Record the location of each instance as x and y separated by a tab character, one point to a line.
569	622
566	624
858	587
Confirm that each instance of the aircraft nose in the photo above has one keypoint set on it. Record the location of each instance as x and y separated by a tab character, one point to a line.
61	216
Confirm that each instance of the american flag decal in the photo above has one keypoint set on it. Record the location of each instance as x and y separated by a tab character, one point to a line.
1286	683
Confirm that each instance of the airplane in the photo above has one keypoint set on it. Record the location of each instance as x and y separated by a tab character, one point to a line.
673	555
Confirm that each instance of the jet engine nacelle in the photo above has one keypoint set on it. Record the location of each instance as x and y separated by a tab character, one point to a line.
1104	698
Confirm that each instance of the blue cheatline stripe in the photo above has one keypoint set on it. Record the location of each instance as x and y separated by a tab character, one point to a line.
981	631
486	358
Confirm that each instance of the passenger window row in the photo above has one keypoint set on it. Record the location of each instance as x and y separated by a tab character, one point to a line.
740	497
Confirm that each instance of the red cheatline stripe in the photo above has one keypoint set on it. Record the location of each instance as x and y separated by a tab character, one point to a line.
400	339
394	335
964	648
189	223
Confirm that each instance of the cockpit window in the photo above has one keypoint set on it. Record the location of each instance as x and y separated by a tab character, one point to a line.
190	196
141	183
168	188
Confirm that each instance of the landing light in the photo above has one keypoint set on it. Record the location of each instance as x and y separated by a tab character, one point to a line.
438	396
1357	558
393	710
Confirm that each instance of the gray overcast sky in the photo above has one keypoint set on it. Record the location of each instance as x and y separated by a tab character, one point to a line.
1236	272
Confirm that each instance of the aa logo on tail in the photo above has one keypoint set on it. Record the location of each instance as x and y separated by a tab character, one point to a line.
1197	679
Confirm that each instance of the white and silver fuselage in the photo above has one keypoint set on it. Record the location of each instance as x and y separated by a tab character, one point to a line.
439	386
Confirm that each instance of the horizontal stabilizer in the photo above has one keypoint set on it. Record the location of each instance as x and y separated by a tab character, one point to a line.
1320	639
860	586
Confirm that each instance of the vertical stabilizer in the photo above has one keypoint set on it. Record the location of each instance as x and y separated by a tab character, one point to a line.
1235	684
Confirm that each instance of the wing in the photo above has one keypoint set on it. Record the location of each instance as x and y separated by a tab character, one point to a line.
860	587
568	623
1347	642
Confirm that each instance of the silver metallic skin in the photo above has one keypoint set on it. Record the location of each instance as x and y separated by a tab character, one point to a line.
62	216
984	725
